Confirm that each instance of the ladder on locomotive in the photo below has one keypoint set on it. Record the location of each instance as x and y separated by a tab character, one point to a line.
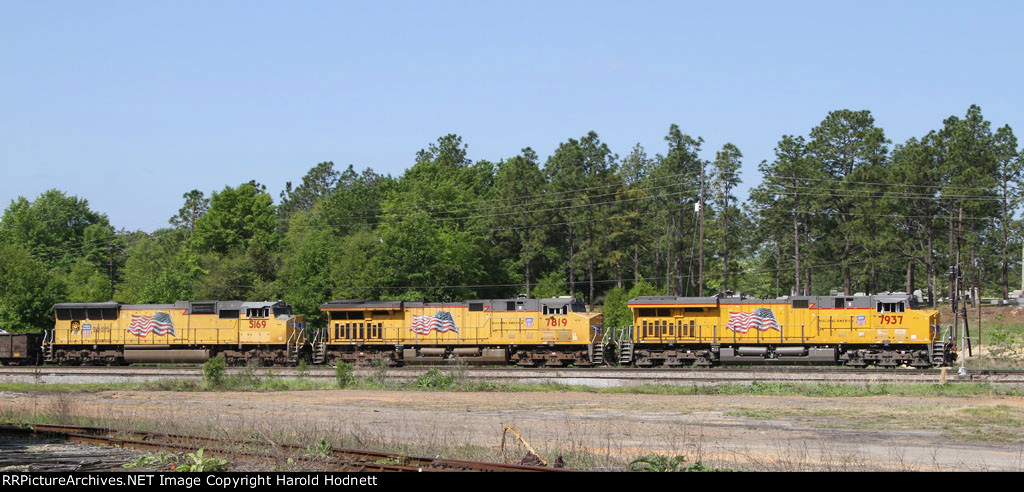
47	345
937	349
625	343
293	346
319	346
938	354
596	351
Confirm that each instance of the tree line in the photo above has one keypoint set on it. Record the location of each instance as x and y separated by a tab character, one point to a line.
839	209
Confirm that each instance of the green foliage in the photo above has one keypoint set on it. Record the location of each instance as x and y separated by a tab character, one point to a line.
518	243
343	376
202	464
306	264
196	204
245	379
158	459
322	449
213	371
60	228
616	310
52	249
434	379
659	463
380	372
840	203
642	289
588	166
241	217
86	284
318	183
436	260
656	463
27	291
551	285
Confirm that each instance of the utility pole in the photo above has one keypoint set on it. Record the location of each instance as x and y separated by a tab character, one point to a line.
700	254
725	242
796	239
975	296
977	279
111	272
796	247
956	315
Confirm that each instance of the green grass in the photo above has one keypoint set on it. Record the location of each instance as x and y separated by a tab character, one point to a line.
1000	423
436	380
998	334
1003	344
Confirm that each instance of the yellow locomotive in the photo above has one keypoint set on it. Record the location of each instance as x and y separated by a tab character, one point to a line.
186	331
526	332
886	330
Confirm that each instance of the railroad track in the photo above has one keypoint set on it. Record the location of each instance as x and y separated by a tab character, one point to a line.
337	459
582	376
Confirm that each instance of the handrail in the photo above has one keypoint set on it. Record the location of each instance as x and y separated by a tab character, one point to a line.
47	353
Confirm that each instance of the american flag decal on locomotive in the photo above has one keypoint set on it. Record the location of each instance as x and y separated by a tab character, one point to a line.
763	319
159	324
442	322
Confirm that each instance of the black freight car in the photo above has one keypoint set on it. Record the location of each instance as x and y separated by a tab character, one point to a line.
21	349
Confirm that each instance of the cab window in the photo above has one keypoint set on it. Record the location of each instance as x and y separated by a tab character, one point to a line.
890	307
257	312
282	311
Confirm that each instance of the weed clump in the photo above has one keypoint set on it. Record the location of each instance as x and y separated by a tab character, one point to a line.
659	463
435	380
213	371
159	459
246	379
322	449
200	463
343	376
380	372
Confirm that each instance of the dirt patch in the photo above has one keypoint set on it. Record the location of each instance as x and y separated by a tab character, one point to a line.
989	314
595	431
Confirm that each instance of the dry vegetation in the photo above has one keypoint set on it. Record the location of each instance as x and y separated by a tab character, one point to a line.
588	430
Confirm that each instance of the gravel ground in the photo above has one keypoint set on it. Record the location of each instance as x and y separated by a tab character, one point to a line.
590	430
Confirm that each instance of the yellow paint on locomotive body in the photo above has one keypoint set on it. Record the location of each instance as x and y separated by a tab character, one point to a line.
876	319
180	324
495	322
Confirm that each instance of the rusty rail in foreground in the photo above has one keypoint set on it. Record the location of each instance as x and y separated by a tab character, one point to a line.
346	460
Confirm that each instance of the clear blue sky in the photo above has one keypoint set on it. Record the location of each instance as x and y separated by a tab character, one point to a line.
131	104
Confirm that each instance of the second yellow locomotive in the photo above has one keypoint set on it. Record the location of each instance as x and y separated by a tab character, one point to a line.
526	332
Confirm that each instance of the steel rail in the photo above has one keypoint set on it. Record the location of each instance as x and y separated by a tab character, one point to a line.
471	367
573	375
348	459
